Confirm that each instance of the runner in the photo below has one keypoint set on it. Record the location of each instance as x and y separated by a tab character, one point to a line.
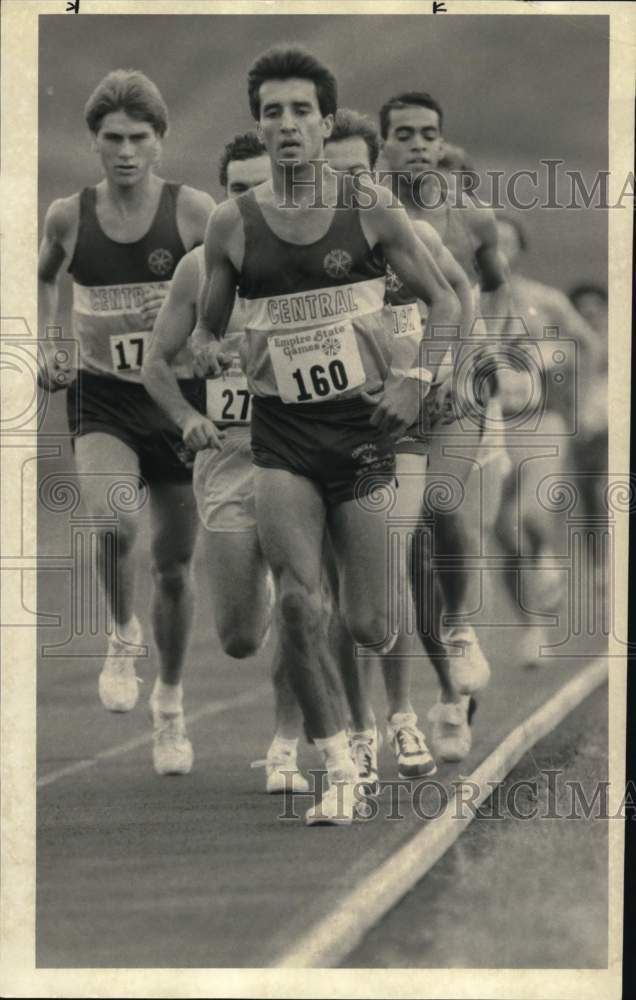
326	408
123	240
223	480
411	128
571	388
353	148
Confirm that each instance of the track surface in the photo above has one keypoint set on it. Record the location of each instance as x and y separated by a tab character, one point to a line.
135	870
551	874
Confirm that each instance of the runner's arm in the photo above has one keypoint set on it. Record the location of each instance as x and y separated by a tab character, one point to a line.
495	285
51	257
194	208
219	292
388	225
174	324
416	268
452	271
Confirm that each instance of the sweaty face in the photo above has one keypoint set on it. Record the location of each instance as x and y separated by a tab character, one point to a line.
414	143
128	148
245	174
348	156
291	125
508	241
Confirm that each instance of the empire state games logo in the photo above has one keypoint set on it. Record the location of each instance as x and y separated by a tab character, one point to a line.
393	283
161	262
337	263
329	343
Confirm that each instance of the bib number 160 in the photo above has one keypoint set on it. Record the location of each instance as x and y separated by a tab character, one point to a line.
323	380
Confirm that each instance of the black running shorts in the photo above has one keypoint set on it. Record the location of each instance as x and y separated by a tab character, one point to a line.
99	403
333	444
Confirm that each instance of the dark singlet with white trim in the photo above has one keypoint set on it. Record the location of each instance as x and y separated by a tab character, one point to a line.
109	282
316	324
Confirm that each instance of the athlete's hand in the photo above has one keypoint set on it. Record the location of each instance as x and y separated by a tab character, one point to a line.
153	300
397	406
442	401
55	371
210	360
200	432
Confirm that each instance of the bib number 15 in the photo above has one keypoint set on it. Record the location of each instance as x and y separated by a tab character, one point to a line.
322	380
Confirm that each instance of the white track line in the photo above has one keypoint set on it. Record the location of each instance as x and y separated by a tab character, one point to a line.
209	708
335	936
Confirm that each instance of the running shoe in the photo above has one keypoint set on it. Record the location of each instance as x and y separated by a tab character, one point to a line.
172	751
364	753
282	773
451	734
409	745
469	668
118	682
338	805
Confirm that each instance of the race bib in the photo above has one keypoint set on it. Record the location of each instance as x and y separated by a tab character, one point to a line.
407	321
311	366
228	399
127	351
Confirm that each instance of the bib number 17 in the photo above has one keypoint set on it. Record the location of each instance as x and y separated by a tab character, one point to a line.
127	352
322	380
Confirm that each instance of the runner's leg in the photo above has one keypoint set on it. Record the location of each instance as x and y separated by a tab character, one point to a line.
292	538
104	461
174	525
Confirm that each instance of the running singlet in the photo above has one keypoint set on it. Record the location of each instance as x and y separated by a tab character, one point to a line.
228	400
317	328
109	281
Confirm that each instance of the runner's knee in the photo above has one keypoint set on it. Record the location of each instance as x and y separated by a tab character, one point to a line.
239	638
301	609
172	575
123	530
369	626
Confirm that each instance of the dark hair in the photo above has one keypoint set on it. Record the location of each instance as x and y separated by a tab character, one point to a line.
518	228
412	98
244	146
131	91
284	62
588	288
348	124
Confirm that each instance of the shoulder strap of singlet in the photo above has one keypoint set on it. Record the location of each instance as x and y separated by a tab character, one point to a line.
169	194
87	215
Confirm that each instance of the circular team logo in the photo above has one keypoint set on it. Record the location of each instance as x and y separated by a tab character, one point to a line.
161	262
393	283
337	263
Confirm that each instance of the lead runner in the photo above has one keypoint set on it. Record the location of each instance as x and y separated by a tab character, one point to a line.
327	410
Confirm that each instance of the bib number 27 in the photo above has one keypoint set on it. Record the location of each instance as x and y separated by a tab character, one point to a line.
320	380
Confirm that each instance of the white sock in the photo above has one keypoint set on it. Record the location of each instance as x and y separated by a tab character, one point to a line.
281	745
459	633
369	735
129	631
399	719
168	697
334	751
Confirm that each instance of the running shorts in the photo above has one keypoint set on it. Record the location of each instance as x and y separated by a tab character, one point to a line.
417	438
99	403
223	483
333	444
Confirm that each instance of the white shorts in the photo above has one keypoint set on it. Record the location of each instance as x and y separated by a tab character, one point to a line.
223	484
